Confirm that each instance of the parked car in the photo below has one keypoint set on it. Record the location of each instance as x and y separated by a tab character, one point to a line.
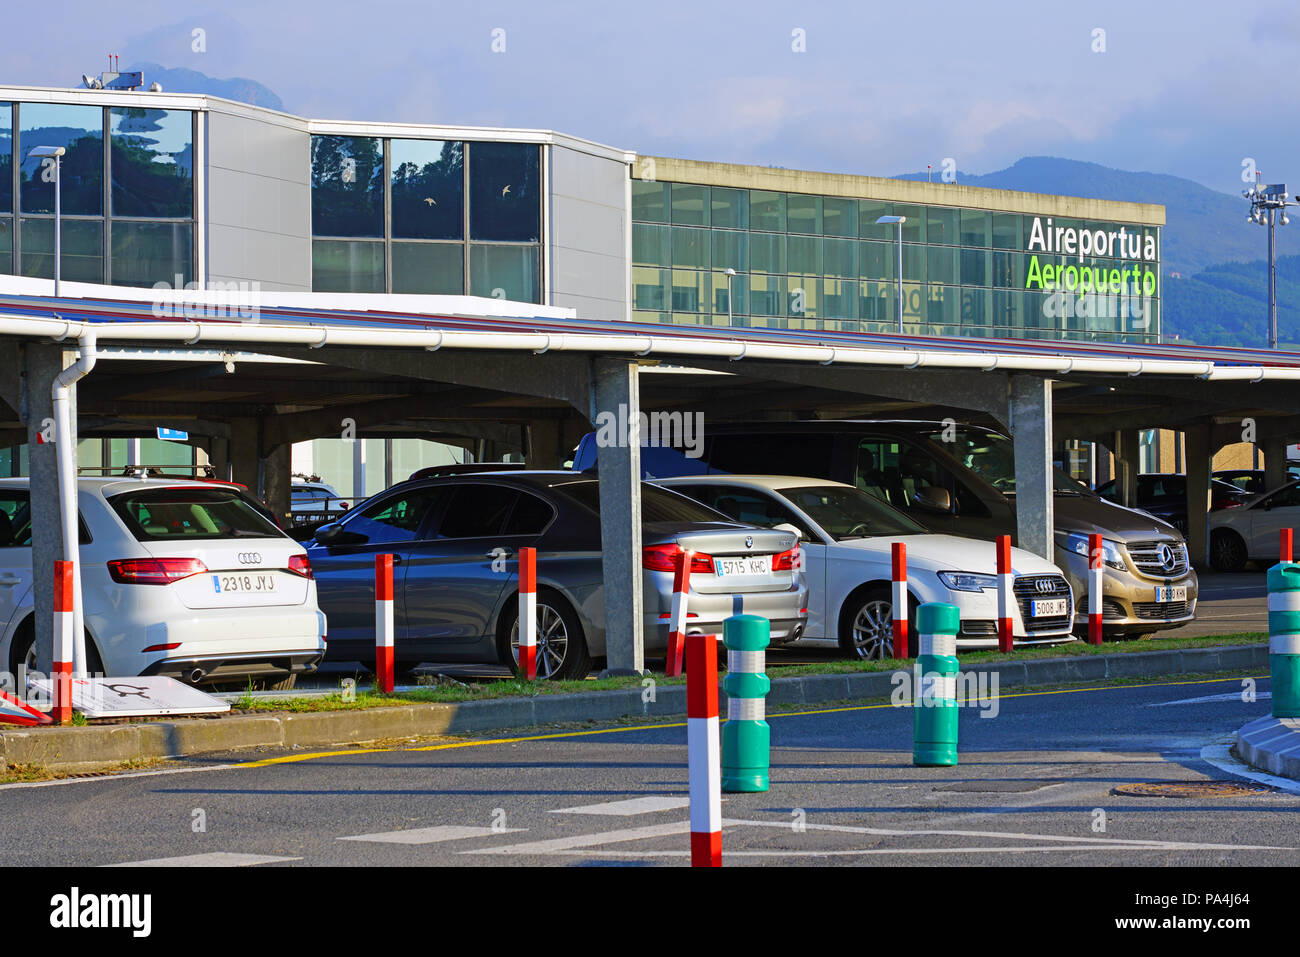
179	578
1250	533
455	543
1165	496
965	486
315	501
1251	481
846	538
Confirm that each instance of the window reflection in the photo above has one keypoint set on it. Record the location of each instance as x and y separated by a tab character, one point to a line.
80	131
428	189
347	189
505	203
152	162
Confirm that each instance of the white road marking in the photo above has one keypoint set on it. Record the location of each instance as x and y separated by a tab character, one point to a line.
214	859
113	777
558	844
432	835
1220	756
1230	696
1117	843
641	805
1018	849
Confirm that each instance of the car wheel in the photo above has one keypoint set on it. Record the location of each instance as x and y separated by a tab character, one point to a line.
867	625
24	653
561	647
1227	551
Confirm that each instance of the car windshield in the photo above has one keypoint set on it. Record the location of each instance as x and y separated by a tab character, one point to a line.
844	512
190	513
657	504
992	457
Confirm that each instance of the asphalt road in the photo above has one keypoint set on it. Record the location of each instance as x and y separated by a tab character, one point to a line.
1036	785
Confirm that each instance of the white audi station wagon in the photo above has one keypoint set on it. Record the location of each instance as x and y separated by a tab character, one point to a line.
179	578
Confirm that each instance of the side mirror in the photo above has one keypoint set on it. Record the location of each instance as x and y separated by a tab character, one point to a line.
933	499
787	527
335	534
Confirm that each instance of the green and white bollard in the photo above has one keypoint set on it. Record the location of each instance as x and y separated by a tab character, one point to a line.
746	737
1284	638
934	707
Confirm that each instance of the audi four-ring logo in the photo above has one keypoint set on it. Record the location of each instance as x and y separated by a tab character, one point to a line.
1045	586
250	558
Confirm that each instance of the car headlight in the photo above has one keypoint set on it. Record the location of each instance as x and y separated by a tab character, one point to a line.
968	581
1110	553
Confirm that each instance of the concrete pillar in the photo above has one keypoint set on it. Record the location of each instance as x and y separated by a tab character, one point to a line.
265	472
1274	462
1031	433
42	363
616	393
277	478
1127	460
545	446
1199	453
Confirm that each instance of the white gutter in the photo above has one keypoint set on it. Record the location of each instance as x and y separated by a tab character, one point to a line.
66	451
298	334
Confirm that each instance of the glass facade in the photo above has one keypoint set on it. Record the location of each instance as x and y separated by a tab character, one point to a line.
126	185
824	263
426	216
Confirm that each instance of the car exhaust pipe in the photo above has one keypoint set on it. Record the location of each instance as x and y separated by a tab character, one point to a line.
196	676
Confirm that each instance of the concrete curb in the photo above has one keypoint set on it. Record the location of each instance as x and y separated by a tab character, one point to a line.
1272	745
79	748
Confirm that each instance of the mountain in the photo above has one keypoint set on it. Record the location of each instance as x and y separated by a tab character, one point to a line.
1215	277
192	81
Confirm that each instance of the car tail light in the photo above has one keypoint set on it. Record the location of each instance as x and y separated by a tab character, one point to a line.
154	571
786	561
152	648
663	558
300	565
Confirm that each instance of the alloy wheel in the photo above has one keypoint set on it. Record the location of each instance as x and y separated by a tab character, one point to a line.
552	641
873	630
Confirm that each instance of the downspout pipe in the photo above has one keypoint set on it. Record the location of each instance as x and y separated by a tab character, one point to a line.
66	452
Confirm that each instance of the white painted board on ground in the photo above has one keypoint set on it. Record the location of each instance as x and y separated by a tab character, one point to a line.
134	697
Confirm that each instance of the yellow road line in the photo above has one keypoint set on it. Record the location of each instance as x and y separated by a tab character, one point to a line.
294	758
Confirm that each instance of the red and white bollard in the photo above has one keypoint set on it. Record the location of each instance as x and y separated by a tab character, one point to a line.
1284	546
1006	594
677	625
528	613
1094	589
62	676
703	751
898	555
384	622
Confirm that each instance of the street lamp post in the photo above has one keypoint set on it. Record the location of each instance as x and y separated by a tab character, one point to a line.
55	153
897	220
1268	208
730	274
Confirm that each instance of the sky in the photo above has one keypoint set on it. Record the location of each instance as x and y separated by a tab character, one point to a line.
1196	88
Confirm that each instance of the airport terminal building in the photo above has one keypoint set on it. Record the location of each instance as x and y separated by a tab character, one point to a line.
176	189
157	186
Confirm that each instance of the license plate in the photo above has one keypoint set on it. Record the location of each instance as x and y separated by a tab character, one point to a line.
221	584
1048	607
1166	593
748	565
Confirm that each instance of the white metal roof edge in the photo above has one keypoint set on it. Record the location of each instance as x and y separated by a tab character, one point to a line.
632	346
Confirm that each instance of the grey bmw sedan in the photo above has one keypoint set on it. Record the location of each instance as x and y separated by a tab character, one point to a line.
455	543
